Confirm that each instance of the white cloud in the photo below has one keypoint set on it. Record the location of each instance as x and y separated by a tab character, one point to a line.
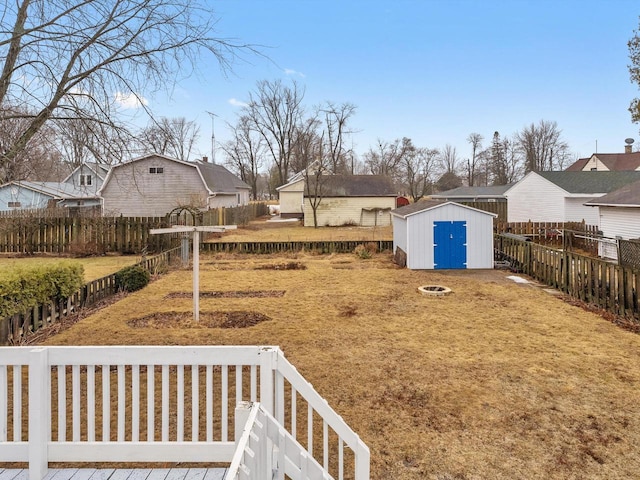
237	103
289	71
130	100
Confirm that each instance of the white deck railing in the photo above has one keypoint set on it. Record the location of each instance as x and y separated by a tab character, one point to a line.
159	404
266	450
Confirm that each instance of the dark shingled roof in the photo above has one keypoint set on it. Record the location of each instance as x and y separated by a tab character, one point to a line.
613	161
357	186
590	182
628	195
473	192
416	207
219	179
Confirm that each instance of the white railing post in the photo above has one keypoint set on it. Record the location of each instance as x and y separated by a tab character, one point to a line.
243	409
362	462
39	413
268	365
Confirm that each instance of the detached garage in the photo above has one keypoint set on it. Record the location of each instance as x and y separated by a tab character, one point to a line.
443	235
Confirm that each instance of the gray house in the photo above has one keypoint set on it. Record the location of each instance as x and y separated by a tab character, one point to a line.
154	185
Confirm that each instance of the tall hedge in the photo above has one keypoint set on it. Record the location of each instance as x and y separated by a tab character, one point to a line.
23	289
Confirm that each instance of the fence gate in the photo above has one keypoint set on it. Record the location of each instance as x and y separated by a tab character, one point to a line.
629	253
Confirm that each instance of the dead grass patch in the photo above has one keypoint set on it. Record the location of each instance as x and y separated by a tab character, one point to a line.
240	319
229	294
498	381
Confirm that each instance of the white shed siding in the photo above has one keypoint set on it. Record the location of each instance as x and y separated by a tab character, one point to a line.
133	191
420	236
535	198
621	222
399	233
576	211
336	211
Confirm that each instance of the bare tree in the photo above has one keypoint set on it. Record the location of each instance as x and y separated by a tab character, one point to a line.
542	146
336	118
634	73
419	169
173	137
387	158
475	140
245	153
68	59
275	111
84	140
449	159
38	161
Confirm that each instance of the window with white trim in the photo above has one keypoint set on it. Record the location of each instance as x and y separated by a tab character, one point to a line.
156	170
14	204
86	180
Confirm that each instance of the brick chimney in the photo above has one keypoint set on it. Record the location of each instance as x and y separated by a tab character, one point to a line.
627	149
206	159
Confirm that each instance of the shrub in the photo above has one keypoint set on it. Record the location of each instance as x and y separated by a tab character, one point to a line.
362	252
21	290
132	278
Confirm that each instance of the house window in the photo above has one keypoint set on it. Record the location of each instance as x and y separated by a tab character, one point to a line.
594	169
156	169
14	204
85	180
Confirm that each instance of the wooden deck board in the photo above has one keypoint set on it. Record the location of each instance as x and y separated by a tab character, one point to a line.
120	474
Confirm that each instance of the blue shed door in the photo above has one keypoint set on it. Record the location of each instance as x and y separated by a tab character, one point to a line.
449	245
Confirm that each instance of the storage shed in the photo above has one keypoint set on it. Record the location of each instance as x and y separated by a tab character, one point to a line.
443	235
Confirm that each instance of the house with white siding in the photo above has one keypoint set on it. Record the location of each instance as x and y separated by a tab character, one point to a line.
619	217
154	185
363	200
437	234
561	196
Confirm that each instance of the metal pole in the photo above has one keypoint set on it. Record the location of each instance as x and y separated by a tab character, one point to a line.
196	276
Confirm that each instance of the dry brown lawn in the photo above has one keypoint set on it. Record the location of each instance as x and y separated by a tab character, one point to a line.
262	230
496	381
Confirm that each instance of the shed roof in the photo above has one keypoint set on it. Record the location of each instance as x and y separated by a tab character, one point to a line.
357	186
424	205
588	183
626	196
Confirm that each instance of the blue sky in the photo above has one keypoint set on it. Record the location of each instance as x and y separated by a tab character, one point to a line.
431	70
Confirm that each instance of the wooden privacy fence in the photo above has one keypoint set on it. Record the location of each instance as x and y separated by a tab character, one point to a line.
568	235
592	280
15	328
39	232
345	246
499	208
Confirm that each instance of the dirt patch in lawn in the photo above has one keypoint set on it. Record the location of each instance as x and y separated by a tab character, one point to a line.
230	294
207	320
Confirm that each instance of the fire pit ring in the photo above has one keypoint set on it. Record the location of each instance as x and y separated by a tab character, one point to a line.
434	290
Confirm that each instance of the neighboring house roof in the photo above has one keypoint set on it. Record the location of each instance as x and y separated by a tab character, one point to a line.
357	186
424	205
475	192
613	161
56	190
626	196
216	178
99	169
588	183
219	179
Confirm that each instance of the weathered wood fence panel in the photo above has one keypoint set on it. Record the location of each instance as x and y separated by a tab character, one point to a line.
41	232
345	246
13	329
611	287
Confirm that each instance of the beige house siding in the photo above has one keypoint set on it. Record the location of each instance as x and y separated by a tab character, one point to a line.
240	198
336	211
133	191
291	198
594	164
